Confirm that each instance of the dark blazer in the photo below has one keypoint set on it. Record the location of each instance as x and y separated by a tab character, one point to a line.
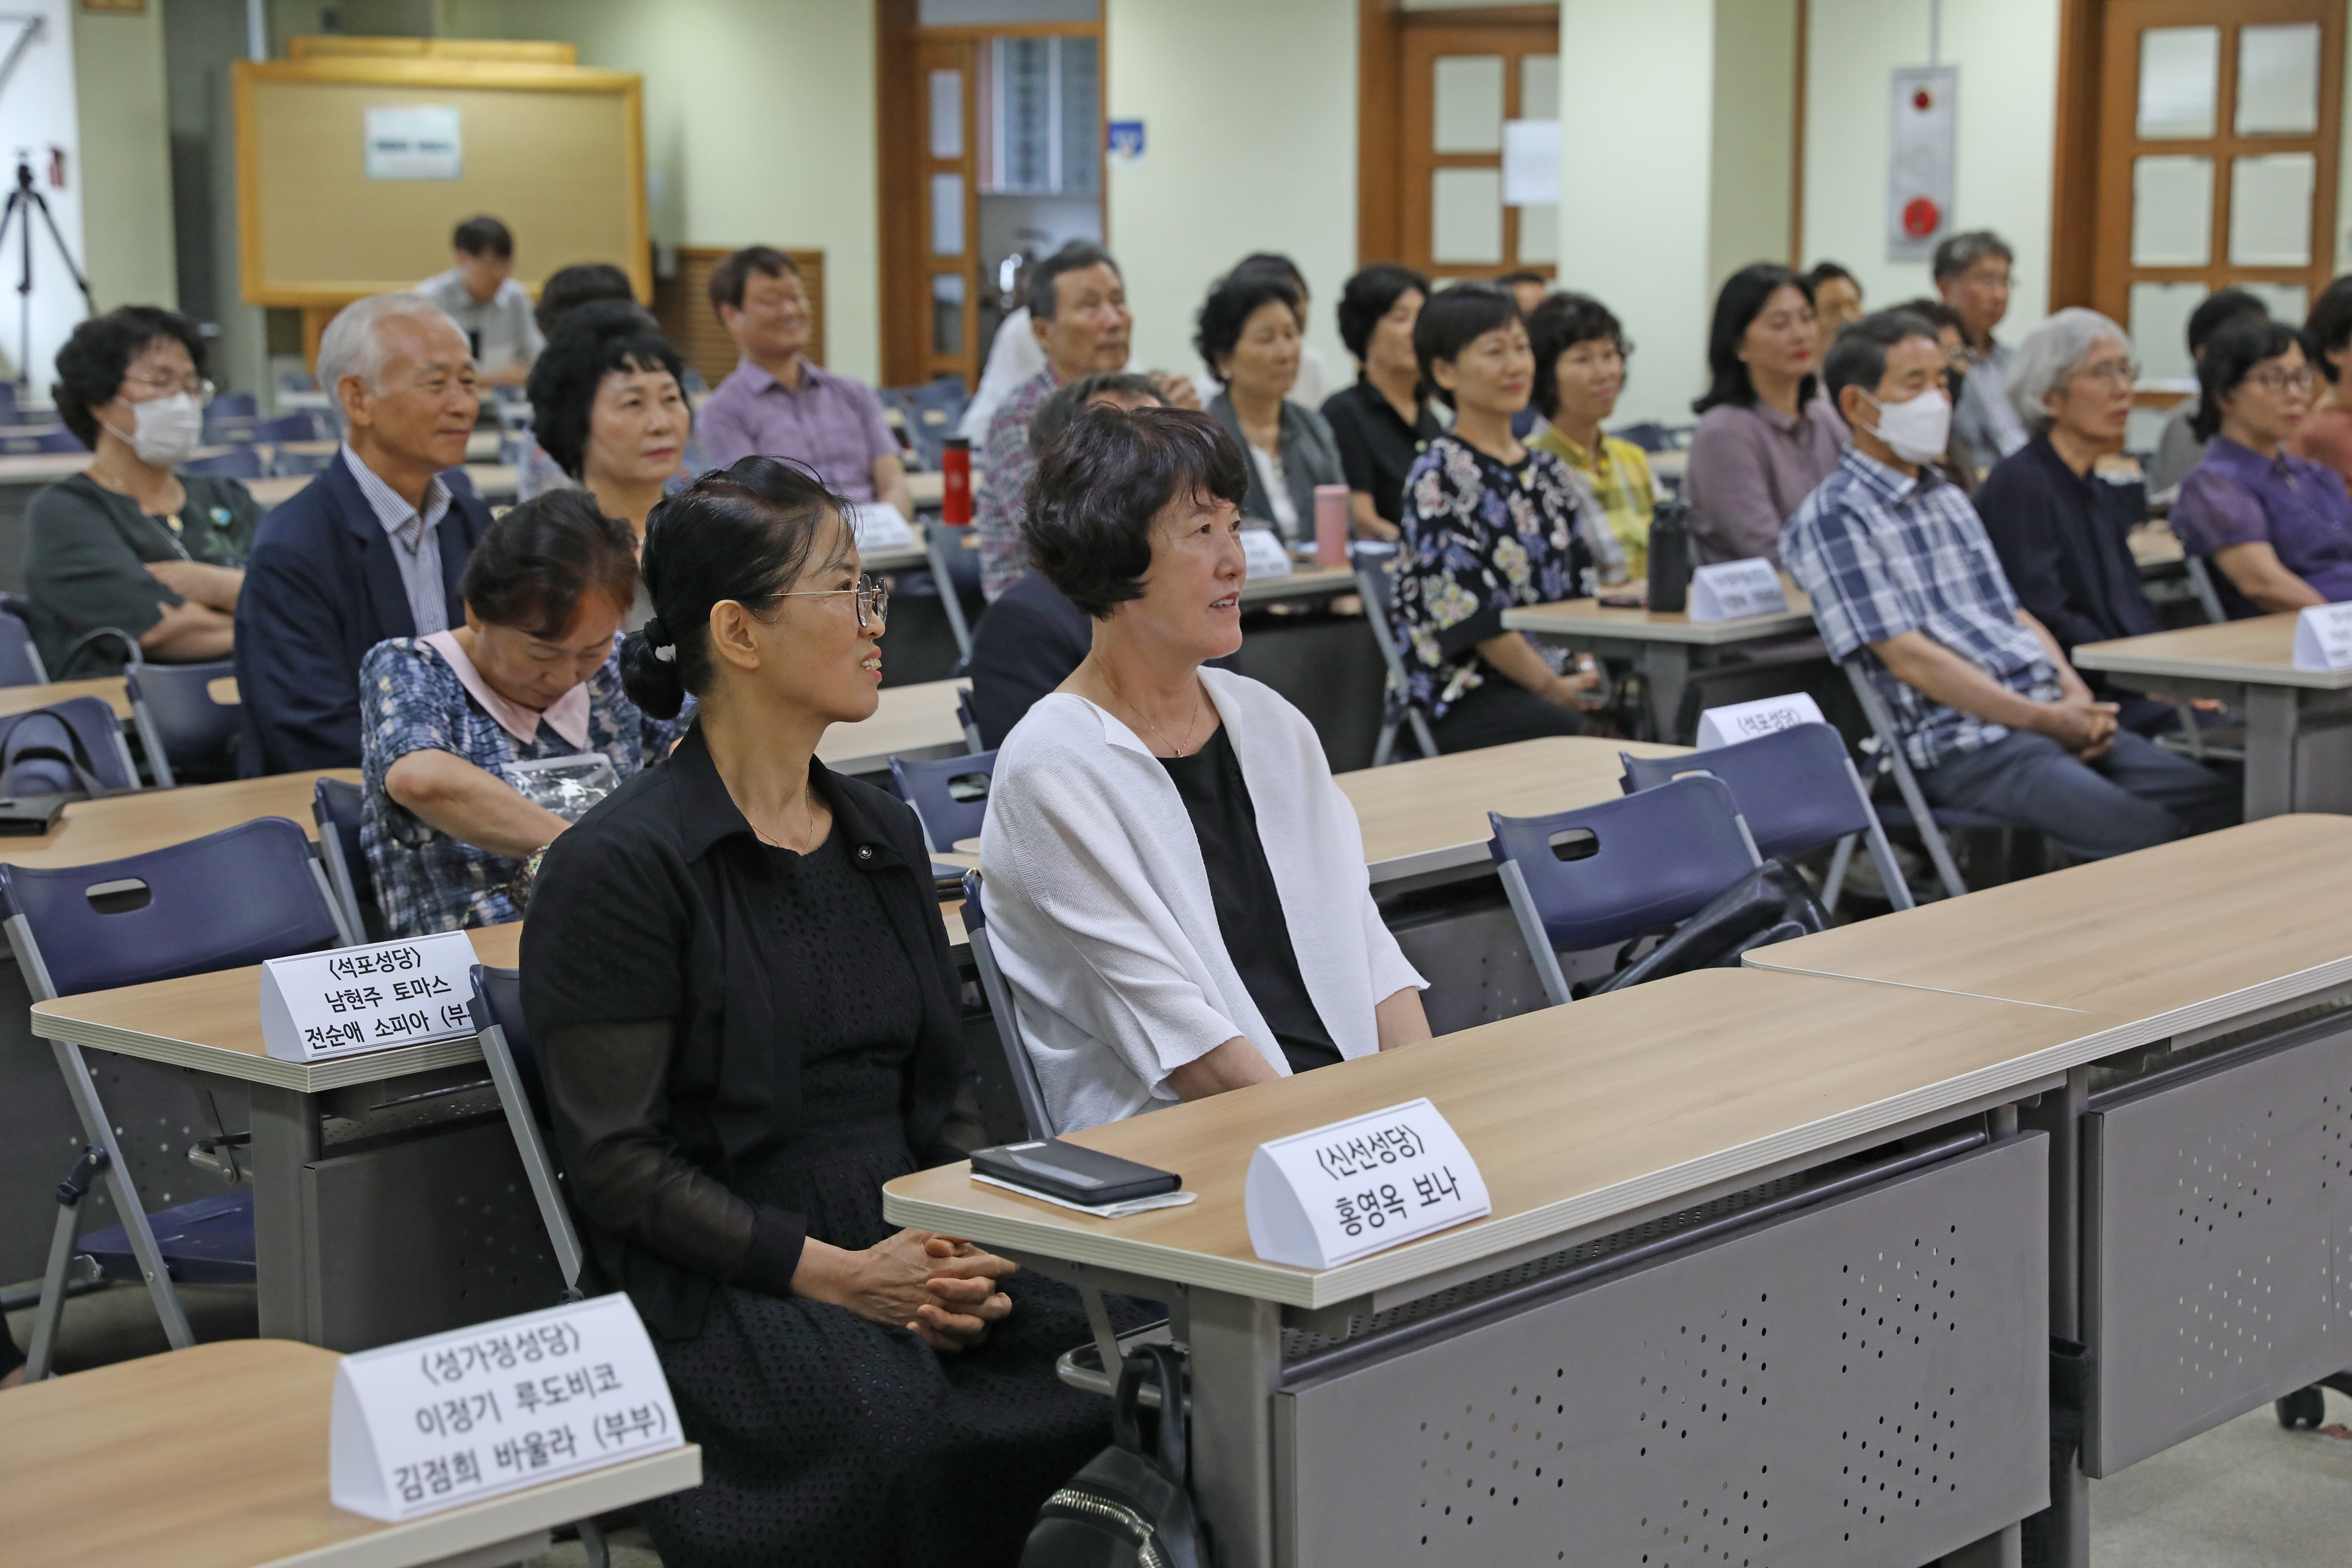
321	589
1310	456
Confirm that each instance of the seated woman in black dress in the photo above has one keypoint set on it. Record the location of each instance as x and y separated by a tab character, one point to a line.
748	1023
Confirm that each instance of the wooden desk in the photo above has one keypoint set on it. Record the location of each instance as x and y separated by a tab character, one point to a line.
95	830
1303	582
2297	758
917	720
927	489
1585	1121
2156	549
1662	642
16	699
41	467
216	1457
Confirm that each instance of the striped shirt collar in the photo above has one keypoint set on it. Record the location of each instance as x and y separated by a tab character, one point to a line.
403	521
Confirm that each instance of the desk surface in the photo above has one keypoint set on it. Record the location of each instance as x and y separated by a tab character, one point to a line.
1591	619
1302	582
913	721
2155	544
1430	814
25	699
2260	651
216	1457
94	830
2174	937
1576	1116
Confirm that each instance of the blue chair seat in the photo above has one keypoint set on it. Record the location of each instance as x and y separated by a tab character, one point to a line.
207	1242
950	795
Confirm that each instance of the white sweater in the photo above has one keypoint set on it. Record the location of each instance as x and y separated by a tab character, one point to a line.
1099	910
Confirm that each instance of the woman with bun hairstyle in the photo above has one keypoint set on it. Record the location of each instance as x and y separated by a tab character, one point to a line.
735	969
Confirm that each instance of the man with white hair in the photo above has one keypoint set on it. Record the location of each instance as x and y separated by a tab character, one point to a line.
373	548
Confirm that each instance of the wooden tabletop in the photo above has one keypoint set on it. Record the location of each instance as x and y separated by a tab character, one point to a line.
94	830
1430	814
1576	1115
1302	582
2155	544
2260	651
25	699
2173	938
917	720
927	489
1590	619
216	1457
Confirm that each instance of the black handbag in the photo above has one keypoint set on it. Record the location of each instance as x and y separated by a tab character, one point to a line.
1772	904
1128	1508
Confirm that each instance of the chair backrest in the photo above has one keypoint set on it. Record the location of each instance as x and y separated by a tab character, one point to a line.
89	720
999	1004
1647	860
2216	595
25	440
505	1038
236	463
335	807
1372	562
233	406
967	718
1796	788
299	464
233	898
299	425
193	729
928	412
950	795
20	661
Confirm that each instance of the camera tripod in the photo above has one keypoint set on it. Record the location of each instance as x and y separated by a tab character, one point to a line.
24	203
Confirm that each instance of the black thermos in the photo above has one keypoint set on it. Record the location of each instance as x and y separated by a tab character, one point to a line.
1670	557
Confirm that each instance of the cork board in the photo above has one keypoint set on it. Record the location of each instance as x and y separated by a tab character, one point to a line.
554	152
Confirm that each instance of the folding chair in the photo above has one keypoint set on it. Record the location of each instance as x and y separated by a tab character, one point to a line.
20	660
288	464
1914	812
233	406
1649	859
970	721
46	750
950	795
945	547
1797	789
180	726
335	807
236	463
929	414
234	897
993	986
22	441
2217	596
1372	561
299	425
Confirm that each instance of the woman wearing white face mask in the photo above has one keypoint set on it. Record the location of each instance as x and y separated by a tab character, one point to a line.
129	543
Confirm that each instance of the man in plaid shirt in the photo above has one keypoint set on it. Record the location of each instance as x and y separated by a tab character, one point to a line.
1988	710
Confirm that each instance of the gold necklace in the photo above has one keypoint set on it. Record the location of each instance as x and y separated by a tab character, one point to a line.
1129	704
808	811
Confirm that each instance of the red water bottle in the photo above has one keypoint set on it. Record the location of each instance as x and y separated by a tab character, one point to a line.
955	469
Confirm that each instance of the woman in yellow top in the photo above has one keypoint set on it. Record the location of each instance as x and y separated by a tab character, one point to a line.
1581	352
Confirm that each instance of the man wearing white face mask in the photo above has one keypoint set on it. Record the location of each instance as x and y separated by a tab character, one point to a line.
1900	572
129	543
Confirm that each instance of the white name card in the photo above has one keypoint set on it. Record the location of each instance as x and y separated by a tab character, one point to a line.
878	525
1737	722
1343	1191
452	1419
2323	638
1263	554
1730	589
350	1000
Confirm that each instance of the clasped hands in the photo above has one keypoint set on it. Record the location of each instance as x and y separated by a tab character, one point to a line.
940	1289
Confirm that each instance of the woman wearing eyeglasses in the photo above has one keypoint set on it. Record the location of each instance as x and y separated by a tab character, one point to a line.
2278	527
2060	509
128	542
738	978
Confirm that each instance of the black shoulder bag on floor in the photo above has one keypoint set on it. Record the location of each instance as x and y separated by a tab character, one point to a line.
1128	1509
1772	904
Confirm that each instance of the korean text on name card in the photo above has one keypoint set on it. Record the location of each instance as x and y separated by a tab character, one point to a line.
1737	722
350	1000
2323	638
1731	589
1317	1199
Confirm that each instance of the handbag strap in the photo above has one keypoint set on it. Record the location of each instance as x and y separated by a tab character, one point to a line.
75	757
1162	1366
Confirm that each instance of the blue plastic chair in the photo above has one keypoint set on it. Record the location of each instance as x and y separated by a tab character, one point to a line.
993	985
288	464
1373	561
335	807
931	788
968	720
232	405
299	425
25	440
236	463
505	1036
929	414
81	731
192	730
238	897
1650	858
1797	790
20	660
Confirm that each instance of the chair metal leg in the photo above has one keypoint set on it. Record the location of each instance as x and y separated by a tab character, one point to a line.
1883	724
62	1250
592	1541
937	542
1835	883
95	1127
1420	735
1538	941
1387	746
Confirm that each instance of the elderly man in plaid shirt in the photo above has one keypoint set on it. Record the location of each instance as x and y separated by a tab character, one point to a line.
1986	708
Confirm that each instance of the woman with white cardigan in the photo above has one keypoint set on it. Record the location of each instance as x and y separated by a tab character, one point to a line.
1176	888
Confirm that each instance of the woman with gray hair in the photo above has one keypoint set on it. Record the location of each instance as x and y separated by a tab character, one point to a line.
2060	509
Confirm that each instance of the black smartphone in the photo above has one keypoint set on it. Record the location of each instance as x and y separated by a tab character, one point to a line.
1066	1170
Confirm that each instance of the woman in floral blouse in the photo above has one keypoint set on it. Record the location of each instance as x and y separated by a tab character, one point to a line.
534	673
1487	525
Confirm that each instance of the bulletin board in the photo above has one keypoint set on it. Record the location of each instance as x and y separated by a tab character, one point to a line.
556	153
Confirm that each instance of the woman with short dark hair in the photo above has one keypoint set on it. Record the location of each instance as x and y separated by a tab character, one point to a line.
2324	434
130	543
608	405
1218	931
533	674
2278	526
748	1020
1488	524
1765	435
1580	351
1249	332
1383	422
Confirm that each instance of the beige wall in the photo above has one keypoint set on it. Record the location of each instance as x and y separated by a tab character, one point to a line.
126	157
1753	147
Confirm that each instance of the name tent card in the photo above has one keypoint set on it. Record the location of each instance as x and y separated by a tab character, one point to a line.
2323	638
1737	722
452	1419
1317	1199
1730	589
316	1007
1263	554
878	525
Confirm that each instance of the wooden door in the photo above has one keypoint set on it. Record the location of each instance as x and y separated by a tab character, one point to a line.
947	146
2218	140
